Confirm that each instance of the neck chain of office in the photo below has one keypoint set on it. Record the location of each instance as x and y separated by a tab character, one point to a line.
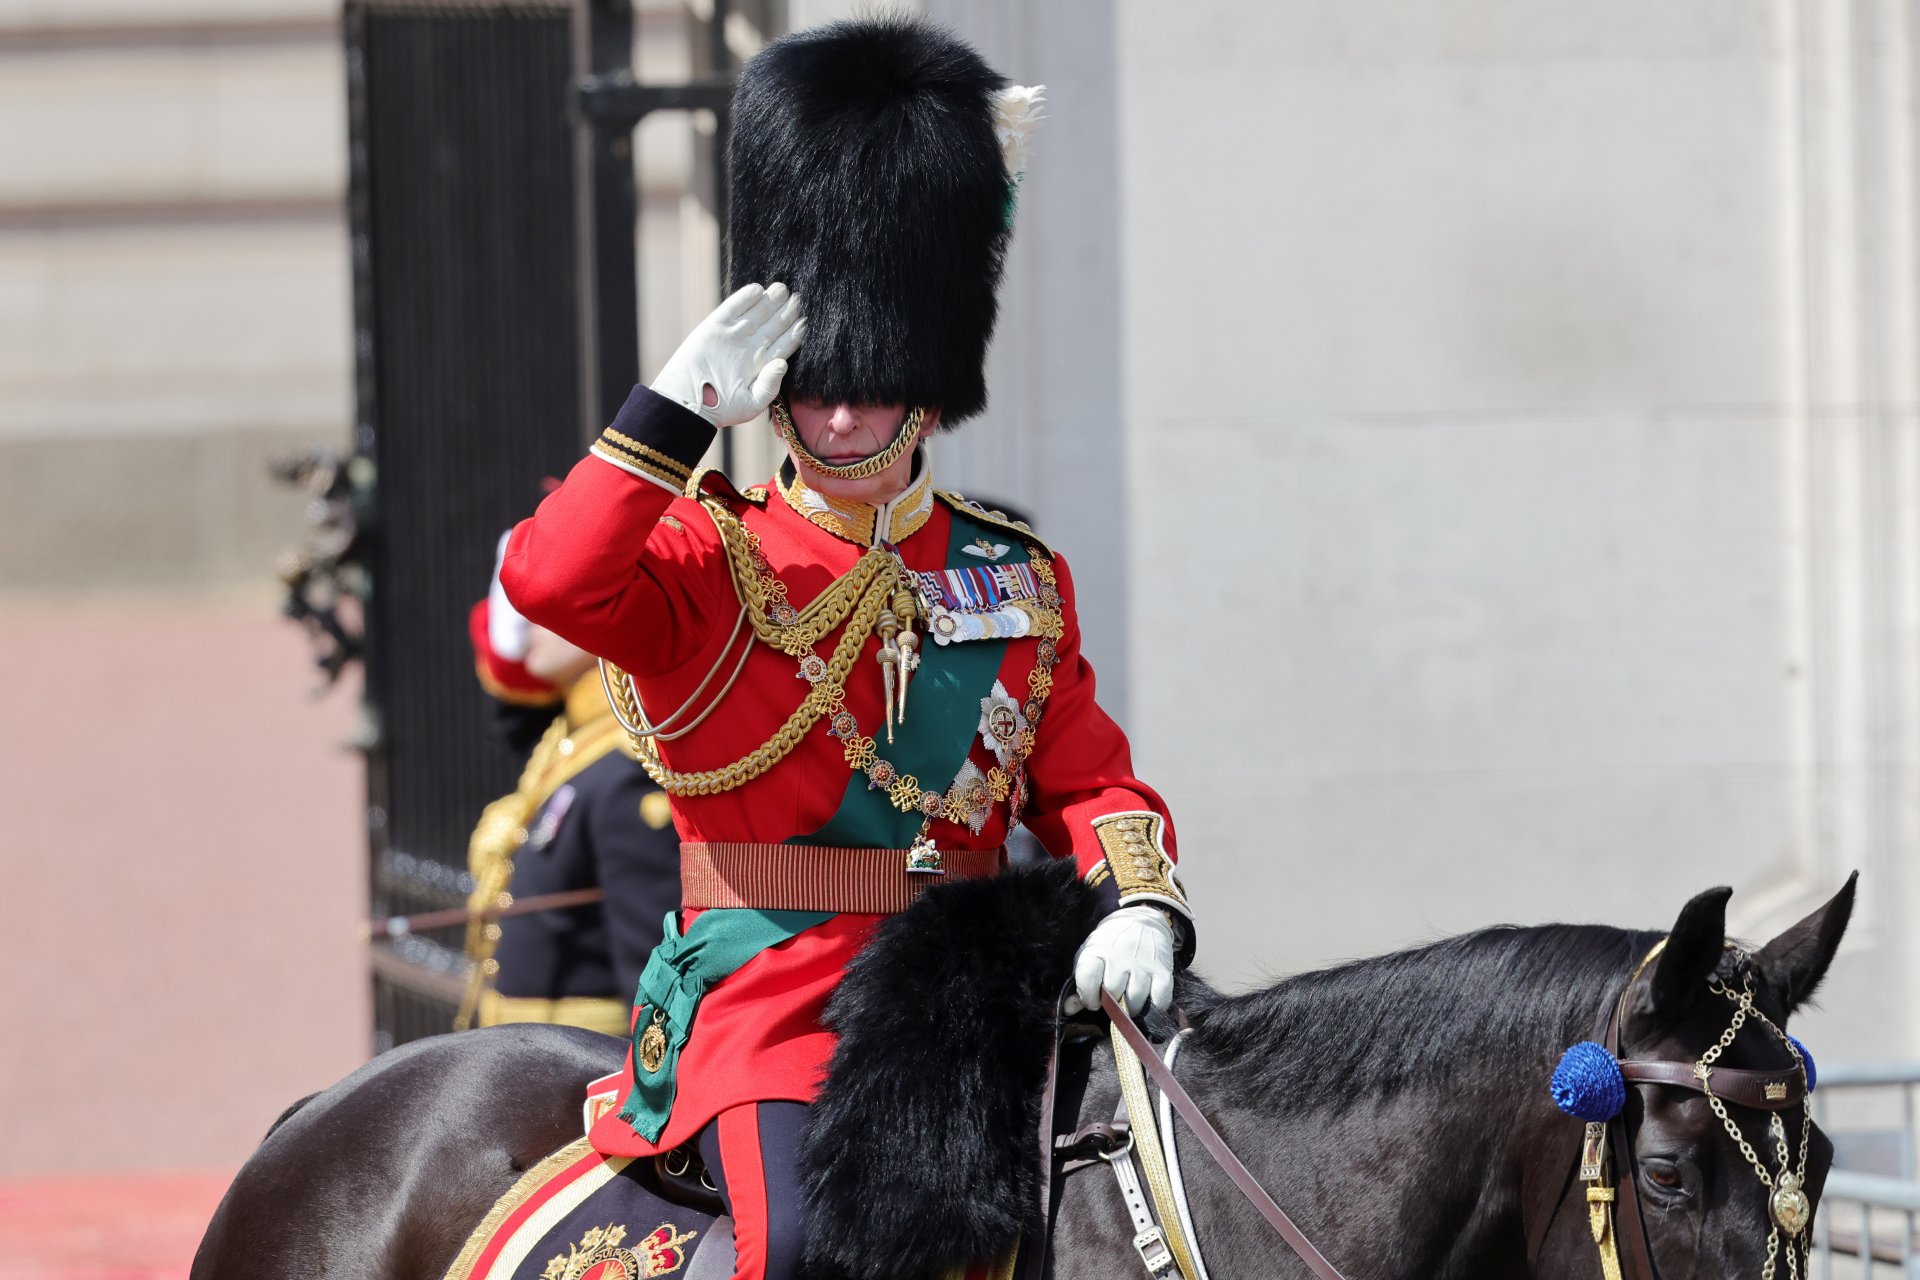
861	470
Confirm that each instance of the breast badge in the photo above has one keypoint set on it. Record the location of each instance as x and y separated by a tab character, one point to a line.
1001	724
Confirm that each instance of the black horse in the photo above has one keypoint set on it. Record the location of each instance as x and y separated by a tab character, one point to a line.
1396	1107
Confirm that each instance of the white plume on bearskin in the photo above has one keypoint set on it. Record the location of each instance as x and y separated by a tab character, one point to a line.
1016	114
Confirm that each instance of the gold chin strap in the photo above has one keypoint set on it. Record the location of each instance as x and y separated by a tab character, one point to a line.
873	466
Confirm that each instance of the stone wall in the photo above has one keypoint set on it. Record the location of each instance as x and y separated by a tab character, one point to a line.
173	287
1505	455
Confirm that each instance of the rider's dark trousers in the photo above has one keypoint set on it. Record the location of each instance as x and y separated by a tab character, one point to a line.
753	1154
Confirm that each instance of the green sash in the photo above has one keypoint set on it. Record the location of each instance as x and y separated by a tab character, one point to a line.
681	970
943	717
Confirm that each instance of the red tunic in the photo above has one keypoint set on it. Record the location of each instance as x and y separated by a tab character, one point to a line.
620	565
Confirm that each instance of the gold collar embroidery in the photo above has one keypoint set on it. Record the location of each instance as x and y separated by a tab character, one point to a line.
857	522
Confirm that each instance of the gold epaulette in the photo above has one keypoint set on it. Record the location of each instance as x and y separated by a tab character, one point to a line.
998	519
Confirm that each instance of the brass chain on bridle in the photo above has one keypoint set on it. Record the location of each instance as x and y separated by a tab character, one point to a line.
1787	1204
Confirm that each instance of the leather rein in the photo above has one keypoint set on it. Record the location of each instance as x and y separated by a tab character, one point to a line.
1034	1260
1606	1160
1215	1145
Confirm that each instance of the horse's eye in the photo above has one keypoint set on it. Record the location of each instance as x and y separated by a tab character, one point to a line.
1665	1176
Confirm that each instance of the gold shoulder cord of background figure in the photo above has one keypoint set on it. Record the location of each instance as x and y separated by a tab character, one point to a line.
563	751
878	594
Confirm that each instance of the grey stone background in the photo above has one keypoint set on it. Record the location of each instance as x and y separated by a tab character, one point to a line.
1492	427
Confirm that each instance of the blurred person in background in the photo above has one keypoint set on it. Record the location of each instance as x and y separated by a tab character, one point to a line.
584	816
846	670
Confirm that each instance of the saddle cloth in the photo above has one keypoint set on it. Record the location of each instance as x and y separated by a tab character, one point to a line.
579	1215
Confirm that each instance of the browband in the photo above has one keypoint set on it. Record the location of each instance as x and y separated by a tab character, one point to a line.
1761	1090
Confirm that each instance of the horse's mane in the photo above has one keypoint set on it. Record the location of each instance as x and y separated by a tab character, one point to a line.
1465	1008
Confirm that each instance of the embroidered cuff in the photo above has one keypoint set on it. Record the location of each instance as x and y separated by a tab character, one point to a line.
655	439
1137	860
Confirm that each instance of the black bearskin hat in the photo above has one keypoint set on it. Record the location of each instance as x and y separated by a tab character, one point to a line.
867	176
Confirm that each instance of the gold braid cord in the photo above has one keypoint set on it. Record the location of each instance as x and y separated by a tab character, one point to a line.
878	587
856	599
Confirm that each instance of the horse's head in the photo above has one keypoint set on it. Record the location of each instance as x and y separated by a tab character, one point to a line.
1718	1166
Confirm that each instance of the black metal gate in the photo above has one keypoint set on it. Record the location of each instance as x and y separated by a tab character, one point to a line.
492	212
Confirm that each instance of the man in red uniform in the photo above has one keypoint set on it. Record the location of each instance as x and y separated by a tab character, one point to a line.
854	683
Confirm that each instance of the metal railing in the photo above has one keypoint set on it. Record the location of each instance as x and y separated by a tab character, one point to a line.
1870	1208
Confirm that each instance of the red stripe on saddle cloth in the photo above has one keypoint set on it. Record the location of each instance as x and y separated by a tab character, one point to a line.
799	877
539	1187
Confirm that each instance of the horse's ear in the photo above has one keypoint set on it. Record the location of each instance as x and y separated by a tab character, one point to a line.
1794	963
1690	956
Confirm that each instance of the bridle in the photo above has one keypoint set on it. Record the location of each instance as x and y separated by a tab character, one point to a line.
1590	1084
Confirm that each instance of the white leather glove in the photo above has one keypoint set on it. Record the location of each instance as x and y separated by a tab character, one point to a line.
739	354
1130	953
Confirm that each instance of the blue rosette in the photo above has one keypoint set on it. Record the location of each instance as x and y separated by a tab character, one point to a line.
1587	1084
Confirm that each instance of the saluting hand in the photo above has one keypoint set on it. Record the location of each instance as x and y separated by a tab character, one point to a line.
730	367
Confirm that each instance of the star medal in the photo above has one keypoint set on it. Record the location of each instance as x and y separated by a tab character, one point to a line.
1001	723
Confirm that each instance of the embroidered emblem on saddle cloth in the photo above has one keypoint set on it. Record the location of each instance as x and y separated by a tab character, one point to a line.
579	1215
982	602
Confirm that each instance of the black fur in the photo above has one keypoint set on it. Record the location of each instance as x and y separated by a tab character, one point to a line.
920	1153
866	175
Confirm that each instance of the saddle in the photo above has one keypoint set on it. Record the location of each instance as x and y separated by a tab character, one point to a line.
945	1029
